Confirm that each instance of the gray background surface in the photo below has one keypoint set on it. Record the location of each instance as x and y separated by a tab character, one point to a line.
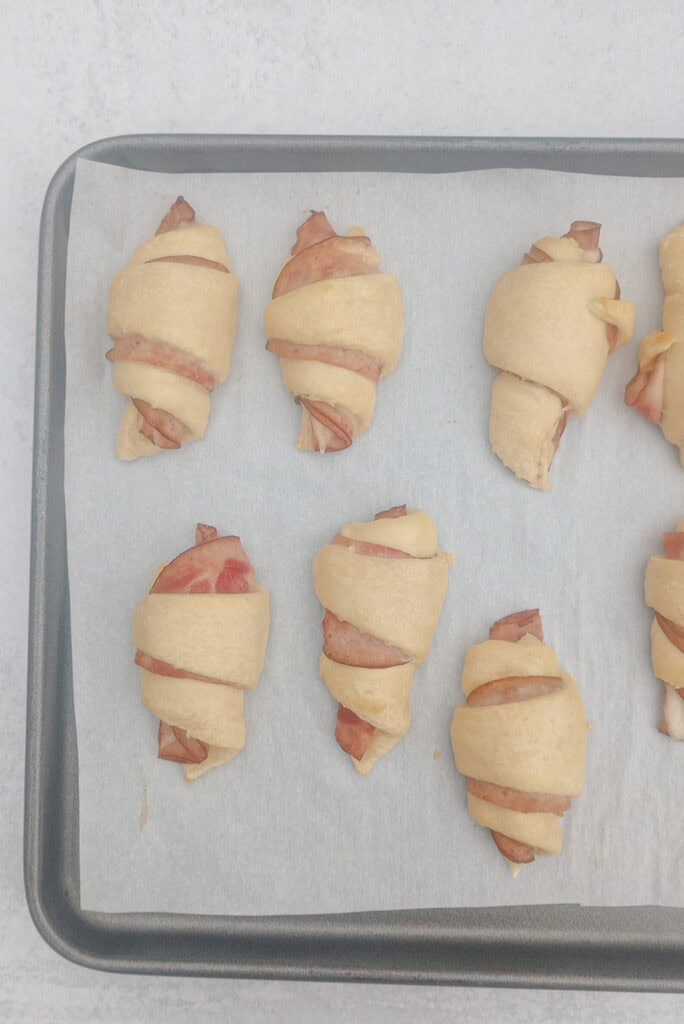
73	73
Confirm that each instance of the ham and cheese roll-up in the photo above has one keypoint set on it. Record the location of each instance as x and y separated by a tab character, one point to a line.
172	317
550	327
664	593
201	635
382	585
337	325
657	389
520	739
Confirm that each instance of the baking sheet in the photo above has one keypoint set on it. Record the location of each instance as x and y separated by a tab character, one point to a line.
289	827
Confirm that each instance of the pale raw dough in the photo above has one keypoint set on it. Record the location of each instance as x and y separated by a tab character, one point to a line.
364	313
194	239
546	326
221	636
522	426
397	600
535	746
668	344
188	307
335	385
664	592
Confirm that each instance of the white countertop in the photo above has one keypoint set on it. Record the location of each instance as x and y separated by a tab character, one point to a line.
73	72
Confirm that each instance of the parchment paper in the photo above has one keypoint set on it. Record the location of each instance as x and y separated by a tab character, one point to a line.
289	826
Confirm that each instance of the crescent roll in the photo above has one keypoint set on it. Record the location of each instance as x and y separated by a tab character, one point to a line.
550	326
657	389
172	317
520	739
382	585
337	325
201	635
664	592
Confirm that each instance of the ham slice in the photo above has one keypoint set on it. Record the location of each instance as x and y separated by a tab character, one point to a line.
519	624
136	349
517	800
180	214
336	256
646	390
176	745
217	565
513	689
352	733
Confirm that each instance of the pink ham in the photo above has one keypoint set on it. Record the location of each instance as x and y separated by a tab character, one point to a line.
587	234
181	213
674	545
338	256
519	624
396	512
332	426
320	254
513	689
514	851
363	547
216	565
345	644
516	800
162	668
352	733
510	689
646	390
360	362
315	229
159	427
136	349
176	745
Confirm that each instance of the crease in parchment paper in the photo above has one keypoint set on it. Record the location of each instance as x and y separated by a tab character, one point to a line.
289	826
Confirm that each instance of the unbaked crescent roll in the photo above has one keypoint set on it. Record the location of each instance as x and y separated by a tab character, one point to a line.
172	316
201	635
550	326
657	389
382	585
664	593
520	739
337	325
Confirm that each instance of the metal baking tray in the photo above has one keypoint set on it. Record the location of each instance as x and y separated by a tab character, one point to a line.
542	946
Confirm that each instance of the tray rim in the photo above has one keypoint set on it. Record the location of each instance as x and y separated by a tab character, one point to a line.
594	949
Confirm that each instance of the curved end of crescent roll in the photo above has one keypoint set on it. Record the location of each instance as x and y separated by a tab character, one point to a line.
131	444
215	757
525	425
616	313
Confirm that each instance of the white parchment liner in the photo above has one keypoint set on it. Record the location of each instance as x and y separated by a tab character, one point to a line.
289	826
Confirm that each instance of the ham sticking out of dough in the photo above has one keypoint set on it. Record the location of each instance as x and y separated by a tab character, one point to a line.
320	254
159	426
343	643
216	565
646	390
514	628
